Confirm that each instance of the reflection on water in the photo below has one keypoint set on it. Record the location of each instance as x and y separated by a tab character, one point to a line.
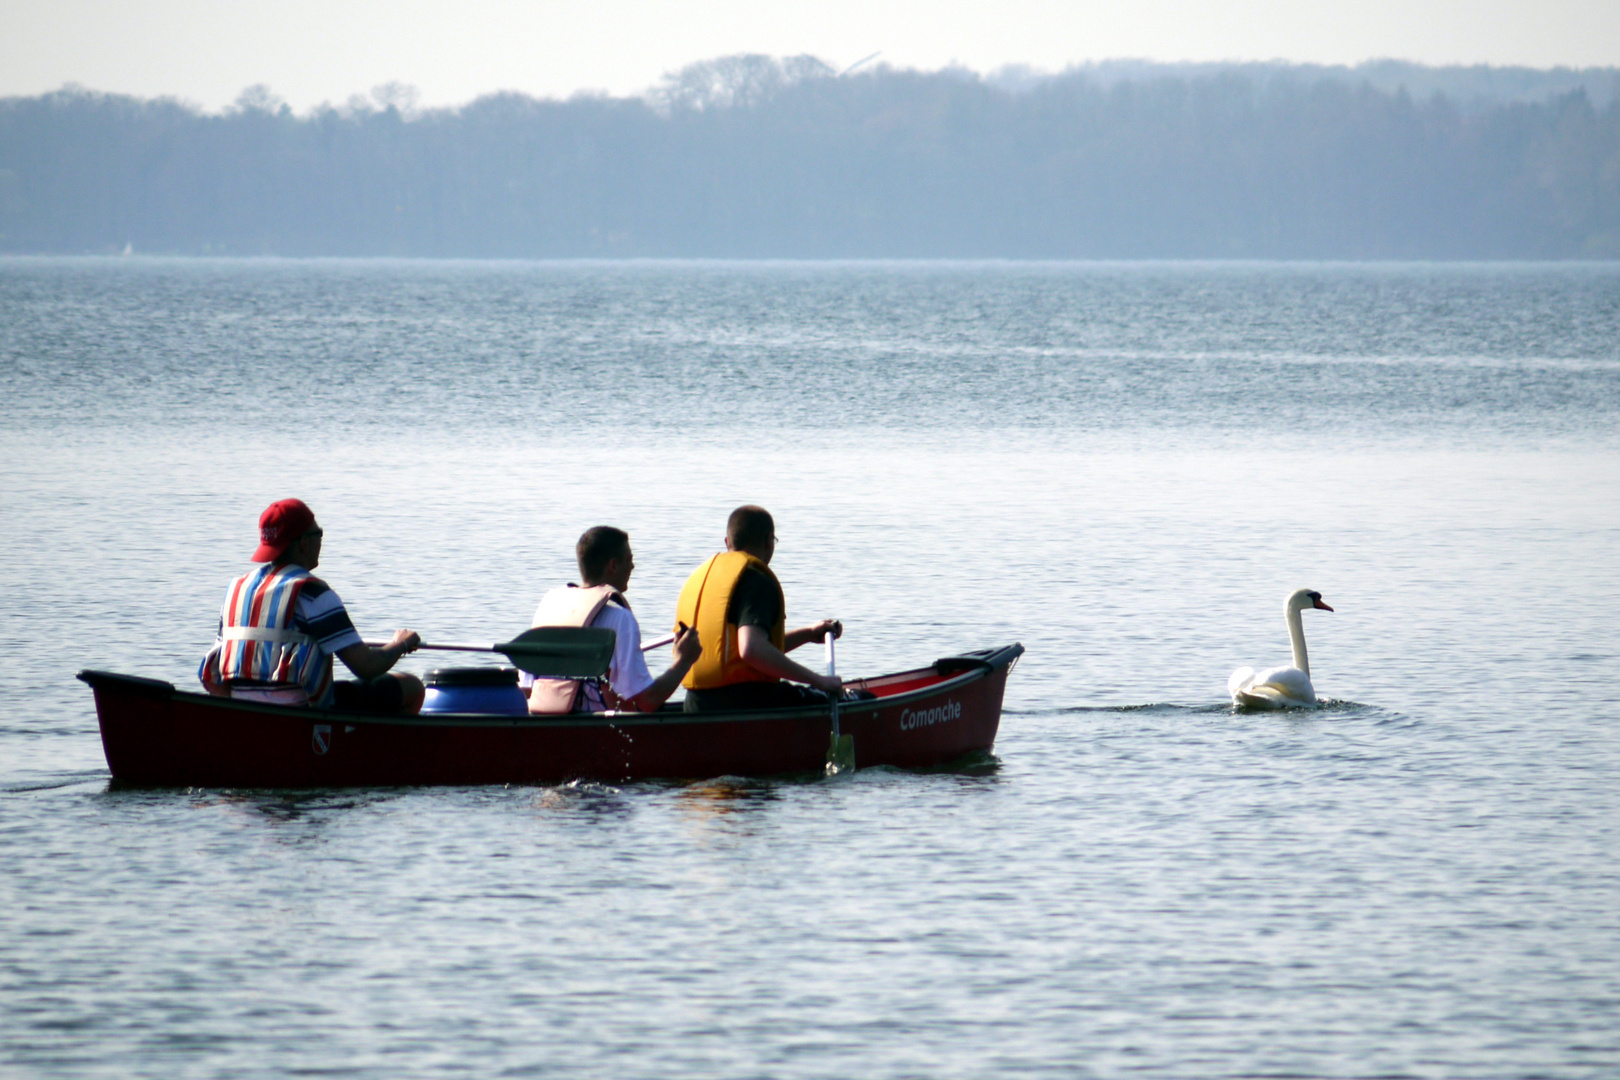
725	795
731	804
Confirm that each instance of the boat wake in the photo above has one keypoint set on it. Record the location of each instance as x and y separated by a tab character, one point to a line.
1334	706
55	783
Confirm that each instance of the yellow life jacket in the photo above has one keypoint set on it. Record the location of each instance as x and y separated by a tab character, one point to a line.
703	603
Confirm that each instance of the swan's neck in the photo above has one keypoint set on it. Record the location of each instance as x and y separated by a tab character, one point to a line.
1296	640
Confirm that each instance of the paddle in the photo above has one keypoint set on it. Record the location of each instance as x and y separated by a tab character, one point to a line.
552	652
841	750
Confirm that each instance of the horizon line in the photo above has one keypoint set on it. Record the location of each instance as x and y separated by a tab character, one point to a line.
402	95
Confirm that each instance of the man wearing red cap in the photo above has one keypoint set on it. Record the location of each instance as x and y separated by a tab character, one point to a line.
281	626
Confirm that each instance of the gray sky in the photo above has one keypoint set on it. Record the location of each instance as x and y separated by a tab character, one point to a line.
310	51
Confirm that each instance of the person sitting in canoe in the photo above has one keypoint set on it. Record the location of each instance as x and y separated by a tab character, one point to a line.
605	563
736	605
281	626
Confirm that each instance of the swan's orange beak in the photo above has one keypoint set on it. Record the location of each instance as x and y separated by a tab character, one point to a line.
1320	606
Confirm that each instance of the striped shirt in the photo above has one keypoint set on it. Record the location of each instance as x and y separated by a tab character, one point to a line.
320	614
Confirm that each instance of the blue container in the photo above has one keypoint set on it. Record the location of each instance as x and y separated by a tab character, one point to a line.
493	691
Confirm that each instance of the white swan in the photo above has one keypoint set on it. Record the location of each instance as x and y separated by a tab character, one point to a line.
1281	687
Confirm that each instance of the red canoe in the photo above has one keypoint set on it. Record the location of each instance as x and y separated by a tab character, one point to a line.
155	734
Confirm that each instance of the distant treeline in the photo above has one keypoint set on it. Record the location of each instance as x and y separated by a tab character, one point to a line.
757	157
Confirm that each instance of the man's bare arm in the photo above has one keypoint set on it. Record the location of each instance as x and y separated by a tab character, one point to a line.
755	648
815	632
687	650
368	663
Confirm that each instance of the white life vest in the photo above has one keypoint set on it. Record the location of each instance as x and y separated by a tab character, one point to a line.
258	642
568	605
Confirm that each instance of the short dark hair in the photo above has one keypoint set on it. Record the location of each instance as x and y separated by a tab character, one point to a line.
596	546
749	527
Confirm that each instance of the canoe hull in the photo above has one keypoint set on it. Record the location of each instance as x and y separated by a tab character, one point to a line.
156	735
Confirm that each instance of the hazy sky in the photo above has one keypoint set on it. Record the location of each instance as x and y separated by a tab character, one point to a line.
310	51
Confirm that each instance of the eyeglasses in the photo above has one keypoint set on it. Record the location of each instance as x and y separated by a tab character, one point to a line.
313	534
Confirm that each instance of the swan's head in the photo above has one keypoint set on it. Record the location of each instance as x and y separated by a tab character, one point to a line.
1306	598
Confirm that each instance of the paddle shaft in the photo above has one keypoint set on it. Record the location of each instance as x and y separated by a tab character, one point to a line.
841	747
444	645
463	647
552	652
832	669
450	646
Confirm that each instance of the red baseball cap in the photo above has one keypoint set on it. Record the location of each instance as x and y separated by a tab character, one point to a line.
280	525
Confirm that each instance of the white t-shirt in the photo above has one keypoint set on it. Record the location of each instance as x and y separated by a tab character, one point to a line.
627	674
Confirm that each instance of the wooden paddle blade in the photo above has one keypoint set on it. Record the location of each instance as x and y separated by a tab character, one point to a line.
562	652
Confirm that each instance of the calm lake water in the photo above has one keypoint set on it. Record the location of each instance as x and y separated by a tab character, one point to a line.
1124	467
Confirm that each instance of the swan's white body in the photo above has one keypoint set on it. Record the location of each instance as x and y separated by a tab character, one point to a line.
1281	687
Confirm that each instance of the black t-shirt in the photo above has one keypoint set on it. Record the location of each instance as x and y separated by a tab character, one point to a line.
755	601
